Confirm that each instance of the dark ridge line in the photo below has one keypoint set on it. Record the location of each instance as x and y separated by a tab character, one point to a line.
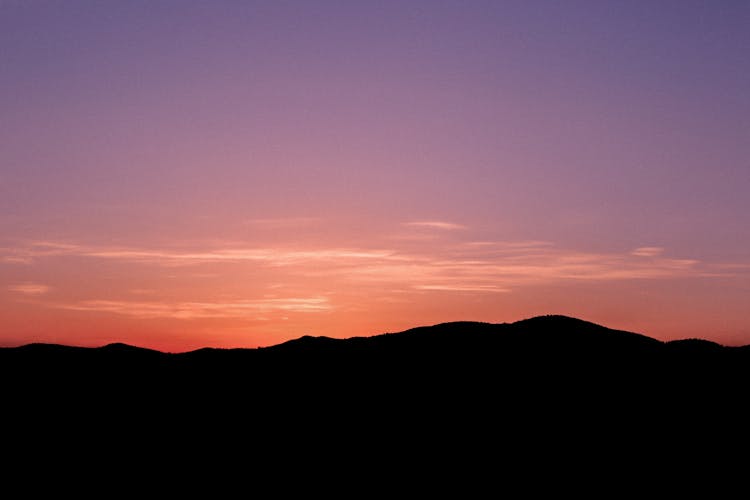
551	321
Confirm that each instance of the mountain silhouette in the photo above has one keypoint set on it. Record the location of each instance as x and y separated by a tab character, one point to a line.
452	400
540	359
538	346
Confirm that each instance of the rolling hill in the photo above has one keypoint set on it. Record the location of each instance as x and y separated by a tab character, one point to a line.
537	354
553	393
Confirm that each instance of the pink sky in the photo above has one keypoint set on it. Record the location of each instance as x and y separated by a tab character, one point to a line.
178	175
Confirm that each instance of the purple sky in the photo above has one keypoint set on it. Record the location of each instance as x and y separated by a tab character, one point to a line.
603	131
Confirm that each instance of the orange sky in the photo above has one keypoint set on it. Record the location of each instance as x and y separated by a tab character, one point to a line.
179	297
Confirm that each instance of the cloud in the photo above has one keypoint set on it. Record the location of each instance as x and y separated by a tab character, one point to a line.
282	222
29	288
493	267
733	266
168	257
468	267
447	226
647	251
463	288
40	249
200	310
15	259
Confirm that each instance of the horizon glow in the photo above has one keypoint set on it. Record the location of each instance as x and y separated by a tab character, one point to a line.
178	175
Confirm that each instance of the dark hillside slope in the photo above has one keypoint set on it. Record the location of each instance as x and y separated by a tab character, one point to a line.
546	360
544	348
550	392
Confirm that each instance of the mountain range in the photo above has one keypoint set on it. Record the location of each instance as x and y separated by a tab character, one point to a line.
549	392
552	355
539	346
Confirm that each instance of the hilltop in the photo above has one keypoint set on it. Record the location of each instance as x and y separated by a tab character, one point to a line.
542	350
552	387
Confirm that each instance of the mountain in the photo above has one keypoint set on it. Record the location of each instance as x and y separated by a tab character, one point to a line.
550	395
543	343
549	355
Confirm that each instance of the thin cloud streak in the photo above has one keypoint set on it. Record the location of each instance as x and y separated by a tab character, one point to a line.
647	251
447	226
517	268
29	289
201	310
473	266
509	245
10	259
273	256
278	223
462	288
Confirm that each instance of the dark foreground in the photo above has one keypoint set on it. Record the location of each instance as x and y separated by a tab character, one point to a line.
435	406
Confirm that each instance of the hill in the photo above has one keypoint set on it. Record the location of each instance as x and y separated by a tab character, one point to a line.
538	346
547	356
453	398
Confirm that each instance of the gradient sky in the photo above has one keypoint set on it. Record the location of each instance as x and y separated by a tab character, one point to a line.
183	174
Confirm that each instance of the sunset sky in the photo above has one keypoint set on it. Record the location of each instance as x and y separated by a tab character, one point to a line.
186	174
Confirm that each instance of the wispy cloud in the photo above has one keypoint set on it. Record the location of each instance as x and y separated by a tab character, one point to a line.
509	245
446	226
733	266
27	254
476	267
171	257
492	267
14	259
284	222
29	288
200	310
463	288
647	251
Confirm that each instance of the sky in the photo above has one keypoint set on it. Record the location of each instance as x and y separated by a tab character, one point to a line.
186	174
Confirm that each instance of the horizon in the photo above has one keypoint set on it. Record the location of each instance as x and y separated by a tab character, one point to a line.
376	334
181	175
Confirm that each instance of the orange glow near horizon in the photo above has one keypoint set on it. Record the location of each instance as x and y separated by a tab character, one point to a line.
177	298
